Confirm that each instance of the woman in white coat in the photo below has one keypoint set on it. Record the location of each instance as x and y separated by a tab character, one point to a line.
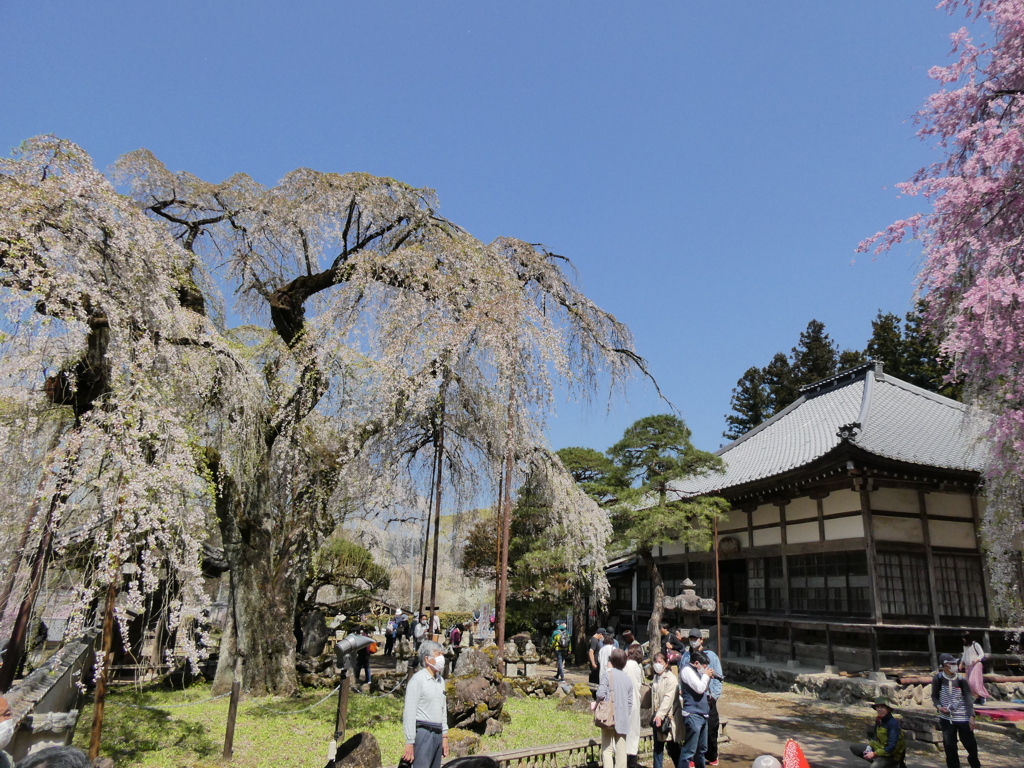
665	705
636	675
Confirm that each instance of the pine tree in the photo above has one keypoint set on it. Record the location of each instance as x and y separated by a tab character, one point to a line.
652	453
750	403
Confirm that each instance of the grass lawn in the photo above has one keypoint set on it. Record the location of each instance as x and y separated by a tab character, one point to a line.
158	728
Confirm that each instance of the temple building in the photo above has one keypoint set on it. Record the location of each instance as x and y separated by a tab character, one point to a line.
853	538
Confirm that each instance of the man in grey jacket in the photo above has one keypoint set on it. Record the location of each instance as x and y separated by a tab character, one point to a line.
425	716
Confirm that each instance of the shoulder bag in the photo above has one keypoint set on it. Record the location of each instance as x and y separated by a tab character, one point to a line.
604	712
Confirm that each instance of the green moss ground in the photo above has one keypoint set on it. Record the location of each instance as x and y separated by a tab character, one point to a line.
180	729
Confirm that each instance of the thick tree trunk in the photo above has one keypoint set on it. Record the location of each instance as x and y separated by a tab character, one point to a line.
265	578
226	656
579	624
657	595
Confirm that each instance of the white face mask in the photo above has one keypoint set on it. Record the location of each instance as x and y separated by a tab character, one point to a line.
6	732
438	664
695	643
659	668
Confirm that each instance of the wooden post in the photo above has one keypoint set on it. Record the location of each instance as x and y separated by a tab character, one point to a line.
236	692
101	681
929	557
872	555
758	644
341	719
506	529
933	655
718	596
439	462
792	641
876	659
786	602
831	650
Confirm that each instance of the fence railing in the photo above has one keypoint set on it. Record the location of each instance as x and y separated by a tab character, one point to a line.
572	754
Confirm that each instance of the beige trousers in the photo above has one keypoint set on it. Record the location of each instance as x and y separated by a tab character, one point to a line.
613	749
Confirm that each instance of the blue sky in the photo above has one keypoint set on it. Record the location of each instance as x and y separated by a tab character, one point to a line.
709	167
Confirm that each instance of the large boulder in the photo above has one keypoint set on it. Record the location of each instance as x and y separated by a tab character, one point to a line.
462	743
360	751
476	693
473	662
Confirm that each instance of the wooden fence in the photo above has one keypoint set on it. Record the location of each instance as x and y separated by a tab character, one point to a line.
572	754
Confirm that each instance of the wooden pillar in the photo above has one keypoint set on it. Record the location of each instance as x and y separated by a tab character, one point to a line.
758	644
785	559
821	518
929	556
830	648
872	555
750	527
792	641
986	583
876	659
933	655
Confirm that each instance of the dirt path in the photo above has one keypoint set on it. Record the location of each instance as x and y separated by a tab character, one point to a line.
760	723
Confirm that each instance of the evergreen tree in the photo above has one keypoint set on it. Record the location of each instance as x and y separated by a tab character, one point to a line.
750	403
814	357
652	453
922	364
780	383
592	470
850	358
886	344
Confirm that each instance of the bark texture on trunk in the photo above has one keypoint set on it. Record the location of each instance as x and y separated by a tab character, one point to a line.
266	572
657	596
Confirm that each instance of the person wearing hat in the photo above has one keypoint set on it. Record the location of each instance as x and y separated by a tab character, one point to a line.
696	643
888	748
560	642
951	696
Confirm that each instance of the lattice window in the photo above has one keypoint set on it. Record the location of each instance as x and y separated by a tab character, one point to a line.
961	587
903	584
829	583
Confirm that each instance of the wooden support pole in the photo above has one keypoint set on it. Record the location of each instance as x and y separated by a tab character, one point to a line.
872	555
236	692
929	557
933	655
830	648
718	598
876	659
506	529
439	462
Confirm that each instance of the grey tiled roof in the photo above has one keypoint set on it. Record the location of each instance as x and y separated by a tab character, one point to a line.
898	421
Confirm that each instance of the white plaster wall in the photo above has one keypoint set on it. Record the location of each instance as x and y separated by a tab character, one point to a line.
843	500
897	529
945	533
802	532
734	521
801	508
767	536
895	500
844	528
951	504
673	548
766	513
742	536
